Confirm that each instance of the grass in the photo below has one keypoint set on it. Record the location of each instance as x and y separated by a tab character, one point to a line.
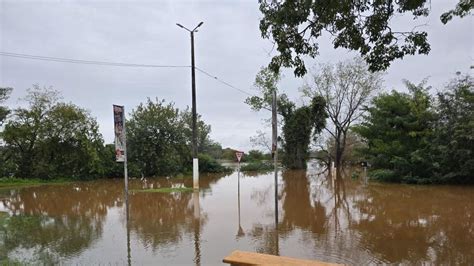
164	190
19	182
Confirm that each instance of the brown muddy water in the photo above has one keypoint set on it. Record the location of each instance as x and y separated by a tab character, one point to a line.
346	222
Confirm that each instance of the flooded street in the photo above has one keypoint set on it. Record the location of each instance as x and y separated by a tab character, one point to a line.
344	222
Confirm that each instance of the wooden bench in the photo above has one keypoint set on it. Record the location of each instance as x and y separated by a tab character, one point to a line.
238	257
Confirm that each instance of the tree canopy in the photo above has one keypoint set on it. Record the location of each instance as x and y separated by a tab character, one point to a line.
51	139
299	123
363	26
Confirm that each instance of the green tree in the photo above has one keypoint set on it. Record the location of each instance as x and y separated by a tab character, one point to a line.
299	123
398	128
50	139
4	111
453	142
363	26
157	139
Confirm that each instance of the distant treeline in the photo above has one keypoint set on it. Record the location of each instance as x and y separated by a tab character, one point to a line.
51	139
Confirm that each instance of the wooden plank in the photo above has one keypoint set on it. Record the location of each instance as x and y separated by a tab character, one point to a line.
238	257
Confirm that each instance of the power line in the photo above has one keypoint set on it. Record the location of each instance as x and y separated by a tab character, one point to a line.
119	64
223	82
87	62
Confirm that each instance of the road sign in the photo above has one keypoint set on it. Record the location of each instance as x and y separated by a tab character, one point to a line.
239	155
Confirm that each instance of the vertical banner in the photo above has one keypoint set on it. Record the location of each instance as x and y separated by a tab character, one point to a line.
119	118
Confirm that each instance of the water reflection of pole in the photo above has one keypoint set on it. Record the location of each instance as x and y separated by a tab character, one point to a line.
197	228
240	232
127	214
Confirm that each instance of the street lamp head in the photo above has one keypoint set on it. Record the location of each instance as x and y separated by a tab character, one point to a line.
199	25
179	25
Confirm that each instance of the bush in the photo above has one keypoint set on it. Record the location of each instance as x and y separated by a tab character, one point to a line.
207	164
384	175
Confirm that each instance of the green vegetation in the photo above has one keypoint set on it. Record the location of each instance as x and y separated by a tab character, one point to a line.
164	190
416	138
346	87
49	139
17	182
362	26
299	123
53	140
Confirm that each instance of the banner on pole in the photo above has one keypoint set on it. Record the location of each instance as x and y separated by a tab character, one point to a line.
119	118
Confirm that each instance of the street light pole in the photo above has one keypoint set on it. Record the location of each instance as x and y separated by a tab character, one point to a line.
193	89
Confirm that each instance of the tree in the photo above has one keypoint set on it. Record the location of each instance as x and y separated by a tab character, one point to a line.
346	87
398	129
157	140
299	123
50	139
4	94
363	26
453	143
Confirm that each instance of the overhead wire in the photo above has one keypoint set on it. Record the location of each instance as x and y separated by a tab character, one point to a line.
88	62
118	64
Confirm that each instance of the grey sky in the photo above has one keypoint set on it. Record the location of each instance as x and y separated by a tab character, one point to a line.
228	46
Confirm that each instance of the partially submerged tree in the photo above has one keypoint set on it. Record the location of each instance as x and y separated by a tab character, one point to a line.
299	123
398	129
363	26
453	143
346	87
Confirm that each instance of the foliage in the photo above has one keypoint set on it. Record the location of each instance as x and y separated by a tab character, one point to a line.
398	129
297	130
298	122
346	87
50	139
207	164
453	142
363	26
4	111
160	137
157	139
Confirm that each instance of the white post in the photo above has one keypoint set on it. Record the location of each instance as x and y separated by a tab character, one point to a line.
195	173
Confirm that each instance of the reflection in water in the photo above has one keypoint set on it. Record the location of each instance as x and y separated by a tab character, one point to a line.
127	225
46	223
345	221
240	231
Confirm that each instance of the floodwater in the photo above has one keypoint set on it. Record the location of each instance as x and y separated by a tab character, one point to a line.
345	221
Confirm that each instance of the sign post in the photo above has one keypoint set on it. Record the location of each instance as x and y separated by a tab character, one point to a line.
121	141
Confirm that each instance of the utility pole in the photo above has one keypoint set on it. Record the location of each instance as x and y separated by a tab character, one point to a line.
193	89
275	150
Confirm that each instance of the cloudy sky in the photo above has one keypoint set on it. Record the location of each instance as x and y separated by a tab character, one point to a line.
228	46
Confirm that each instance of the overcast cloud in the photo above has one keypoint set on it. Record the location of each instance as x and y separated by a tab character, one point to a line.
228	46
